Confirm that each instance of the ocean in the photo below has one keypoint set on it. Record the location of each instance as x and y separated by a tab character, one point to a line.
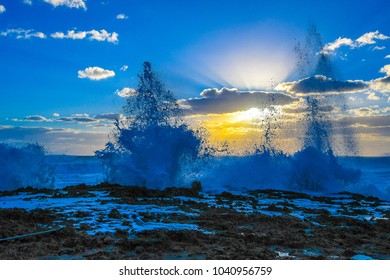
375	173
73	170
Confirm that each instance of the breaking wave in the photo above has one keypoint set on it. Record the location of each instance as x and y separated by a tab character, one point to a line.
24	166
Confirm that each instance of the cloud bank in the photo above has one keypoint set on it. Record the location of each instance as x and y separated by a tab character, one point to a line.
74	118
56	140
320	84
230	100
109	117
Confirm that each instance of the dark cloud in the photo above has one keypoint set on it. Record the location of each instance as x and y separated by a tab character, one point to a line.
325	108
385	80
35	118
232	100
109	117
375	125
321	84
368	121
378	131
75	118
79	118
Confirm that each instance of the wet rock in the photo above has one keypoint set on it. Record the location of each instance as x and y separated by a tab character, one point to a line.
114	214
120	233
108	239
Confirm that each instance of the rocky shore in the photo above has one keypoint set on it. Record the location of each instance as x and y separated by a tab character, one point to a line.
114	222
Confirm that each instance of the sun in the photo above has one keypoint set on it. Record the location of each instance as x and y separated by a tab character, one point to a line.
251	114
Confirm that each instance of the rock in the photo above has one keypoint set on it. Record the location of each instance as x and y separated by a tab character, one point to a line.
114	214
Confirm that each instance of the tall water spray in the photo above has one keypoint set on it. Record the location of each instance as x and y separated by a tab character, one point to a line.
153	145
315	167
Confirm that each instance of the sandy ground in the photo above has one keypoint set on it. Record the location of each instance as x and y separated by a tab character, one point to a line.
114	222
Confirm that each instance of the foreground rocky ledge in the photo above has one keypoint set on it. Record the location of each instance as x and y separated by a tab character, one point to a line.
115	222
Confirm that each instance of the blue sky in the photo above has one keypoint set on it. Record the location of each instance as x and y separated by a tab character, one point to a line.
48	49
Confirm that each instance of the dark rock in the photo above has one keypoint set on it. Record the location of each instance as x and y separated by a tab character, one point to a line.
114	214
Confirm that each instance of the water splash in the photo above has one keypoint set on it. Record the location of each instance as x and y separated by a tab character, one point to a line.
315	167
154	144
24	166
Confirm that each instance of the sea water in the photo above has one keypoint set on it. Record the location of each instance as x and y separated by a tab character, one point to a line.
374	180
73	170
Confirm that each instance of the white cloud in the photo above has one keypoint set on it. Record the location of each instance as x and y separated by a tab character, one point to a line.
20	33
34	118
70	35
331	47
27	2
56	115
95	73
2	9
124	68
91	35
369	38
381	84
385	69
376	48
372	96
103	35
352	98
387	56
122	16
68	3
126	92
